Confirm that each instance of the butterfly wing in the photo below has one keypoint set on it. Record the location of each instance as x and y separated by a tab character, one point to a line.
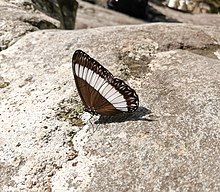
100	92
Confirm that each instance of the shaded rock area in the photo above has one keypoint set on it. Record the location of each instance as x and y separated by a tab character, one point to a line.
64	11
158	11
171	143
134	8
91	16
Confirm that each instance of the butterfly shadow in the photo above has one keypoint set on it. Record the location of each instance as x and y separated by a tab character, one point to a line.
135	116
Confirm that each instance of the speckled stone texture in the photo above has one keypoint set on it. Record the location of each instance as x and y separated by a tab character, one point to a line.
175	70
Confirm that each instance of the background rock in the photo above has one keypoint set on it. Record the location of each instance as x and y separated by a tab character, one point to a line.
64	11
177	16
91	16
175	70
20	17
16	21
195	6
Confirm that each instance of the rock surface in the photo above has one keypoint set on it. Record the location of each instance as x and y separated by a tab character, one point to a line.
175	70
172	143
17	20
20	17
195	19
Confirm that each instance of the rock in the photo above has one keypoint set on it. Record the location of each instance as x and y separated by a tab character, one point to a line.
177	16
3	83
91	16
88	15
174	68
64	11
68	13
203	6
22	21
134	8
26	18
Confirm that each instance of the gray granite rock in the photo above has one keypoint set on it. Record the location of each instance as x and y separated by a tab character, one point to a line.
182	17
20	17
16	21
91	16
174	68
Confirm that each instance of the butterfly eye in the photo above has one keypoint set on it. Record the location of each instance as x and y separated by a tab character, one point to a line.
99	91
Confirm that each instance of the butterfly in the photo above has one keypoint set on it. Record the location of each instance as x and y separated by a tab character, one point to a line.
100	92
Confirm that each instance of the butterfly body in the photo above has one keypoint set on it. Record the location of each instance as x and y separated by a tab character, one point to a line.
99	91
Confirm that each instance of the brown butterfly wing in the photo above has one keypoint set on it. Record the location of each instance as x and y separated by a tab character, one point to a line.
91	79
